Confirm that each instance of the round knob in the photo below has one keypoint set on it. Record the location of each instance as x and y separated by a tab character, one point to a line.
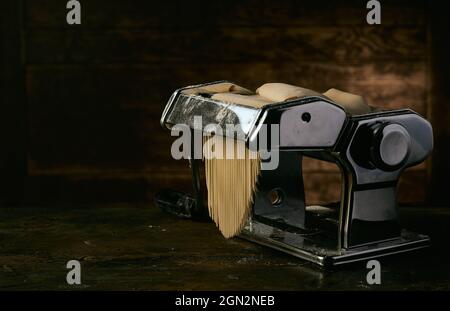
390	146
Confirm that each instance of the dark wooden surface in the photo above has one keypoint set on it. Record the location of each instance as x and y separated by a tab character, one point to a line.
95	92
137	247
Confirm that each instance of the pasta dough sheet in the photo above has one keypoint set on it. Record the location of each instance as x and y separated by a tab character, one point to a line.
224	87
352	103
279	92
248	100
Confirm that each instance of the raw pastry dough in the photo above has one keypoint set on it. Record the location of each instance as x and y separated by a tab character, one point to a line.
247	100
280	92
223	87
353	104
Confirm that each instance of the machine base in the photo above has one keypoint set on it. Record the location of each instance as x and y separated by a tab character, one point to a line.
310	247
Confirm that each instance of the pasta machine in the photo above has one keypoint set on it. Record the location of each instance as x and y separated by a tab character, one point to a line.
371	150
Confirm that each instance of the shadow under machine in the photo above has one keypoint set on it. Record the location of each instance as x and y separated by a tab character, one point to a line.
371	150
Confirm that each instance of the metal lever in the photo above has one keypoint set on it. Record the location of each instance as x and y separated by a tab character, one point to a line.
181	204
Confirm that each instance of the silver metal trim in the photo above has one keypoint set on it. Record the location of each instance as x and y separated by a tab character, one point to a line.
381	249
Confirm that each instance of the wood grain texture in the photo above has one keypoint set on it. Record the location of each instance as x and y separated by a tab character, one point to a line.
139	14
61	188
439	106
96	91
224	45
109	115
137	247
13	109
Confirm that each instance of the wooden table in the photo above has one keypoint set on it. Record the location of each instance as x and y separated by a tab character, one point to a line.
137	247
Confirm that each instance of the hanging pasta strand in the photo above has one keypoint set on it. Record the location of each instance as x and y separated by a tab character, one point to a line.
230	183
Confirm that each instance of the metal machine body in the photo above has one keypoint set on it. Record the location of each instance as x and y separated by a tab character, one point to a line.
371	151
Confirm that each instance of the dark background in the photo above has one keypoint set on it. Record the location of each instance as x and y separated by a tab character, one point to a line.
80	105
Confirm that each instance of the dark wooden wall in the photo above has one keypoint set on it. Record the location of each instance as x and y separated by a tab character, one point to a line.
95	92
13	112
